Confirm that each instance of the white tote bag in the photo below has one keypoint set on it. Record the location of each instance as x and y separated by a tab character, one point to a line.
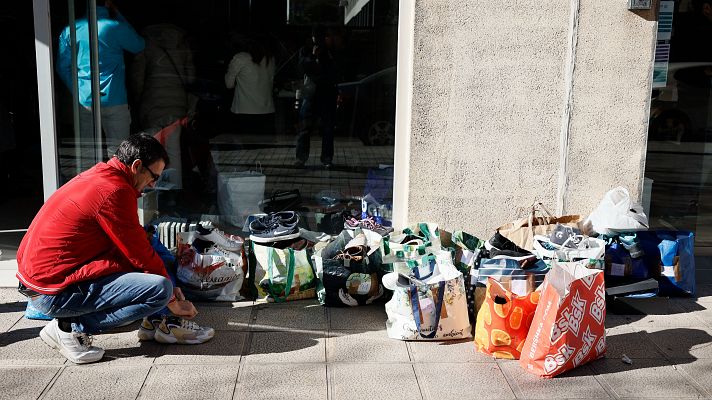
429	303
240	194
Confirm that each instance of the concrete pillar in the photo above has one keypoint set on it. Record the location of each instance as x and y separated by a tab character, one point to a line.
515	102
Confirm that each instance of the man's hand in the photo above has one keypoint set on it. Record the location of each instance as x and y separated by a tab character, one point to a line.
182	307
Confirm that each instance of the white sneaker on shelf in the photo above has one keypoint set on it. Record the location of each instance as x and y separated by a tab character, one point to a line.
181	331
75	346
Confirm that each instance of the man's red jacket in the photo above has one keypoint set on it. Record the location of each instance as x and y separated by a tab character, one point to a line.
87	229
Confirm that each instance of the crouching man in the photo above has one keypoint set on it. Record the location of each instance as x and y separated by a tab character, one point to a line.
85	260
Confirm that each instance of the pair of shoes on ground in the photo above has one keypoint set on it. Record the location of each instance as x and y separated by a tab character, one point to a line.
77	347
273	227
500	247
170	329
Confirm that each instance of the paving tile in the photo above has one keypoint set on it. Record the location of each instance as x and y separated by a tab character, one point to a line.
575	384
226	318
645	378
699	371
95	381
190	382
11	295
27	349
654	305
24	325
452	380
279	382
124	347
369	346
682	342
447	351
370	317
224	348
304	315
629	341
15	385
685	319
373	381
289	347
9	318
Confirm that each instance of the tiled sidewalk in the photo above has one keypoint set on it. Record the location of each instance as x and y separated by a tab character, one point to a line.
302	350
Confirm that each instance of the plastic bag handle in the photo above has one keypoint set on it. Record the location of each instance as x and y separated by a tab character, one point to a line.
290	274
415	304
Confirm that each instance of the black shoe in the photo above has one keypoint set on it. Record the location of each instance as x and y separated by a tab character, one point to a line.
499	242
299	164
274	227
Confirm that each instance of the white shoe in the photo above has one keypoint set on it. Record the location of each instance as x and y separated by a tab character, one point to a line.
147	330
231	257
228	242
181	331
75	346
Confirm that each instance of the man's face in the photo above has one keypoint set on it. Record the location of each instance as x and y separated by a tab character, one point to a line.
146	175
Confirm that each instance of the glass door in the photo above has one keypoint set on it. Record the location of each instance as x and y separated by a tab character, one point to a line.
20	152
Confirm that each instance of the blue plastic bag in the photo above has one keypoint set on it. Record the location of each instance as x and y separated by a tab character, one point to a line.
32	313
675	258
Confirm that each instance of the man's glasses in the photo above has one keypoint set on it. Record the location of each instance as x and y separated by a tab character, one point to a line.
154	176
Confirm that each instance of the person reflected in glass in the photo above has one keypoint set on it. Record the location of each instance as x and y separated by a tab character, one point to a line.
251	72
115	35
160	77
317	109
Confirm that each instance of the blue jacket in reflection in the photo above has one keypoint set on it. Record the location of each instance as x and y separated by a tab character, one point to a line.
115	36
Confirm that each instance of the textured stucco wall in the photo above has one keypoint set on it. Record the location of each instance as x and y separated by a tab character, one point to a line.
611	102
488	107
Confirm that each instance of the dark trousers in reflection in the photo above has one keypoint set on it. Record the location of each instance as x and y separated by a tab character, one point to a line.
317	113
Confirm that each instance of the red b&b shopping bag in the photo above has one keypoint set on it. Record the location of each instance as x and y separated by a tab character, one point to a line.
568	327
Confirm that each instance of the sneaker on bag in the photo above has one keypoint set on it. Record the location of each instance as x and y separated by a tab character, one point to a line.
75	346
149	325
176	330
499	242
228	242
275	227
233	258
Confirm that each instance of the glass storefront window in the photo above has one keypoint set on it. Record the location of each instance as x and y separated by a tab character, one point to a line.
262	106
679	154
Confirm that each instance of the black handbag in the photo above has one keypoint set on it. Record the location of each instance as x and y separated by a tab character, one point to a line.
288	200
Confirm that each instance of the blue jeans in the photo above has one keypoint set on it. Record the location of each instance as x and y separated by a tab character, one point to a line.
108	302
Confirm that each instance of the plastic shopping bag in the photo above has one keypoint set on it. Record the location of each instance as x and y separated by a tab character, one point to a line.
503	321
283	274
568	327
617	212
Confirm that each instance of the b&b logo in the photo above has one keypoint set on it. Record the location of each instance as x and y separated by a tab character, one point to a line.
570	318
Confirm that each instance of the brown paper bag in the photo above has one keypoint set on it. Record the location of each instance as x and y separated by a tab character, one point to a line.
539	222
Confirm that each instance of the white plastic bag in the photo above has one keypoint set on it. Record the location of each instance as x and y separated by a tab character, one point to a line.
616	213
239	195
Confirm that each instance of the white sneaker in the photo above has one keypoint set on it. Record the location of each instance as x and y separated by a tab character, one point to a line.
147	330
228	242
181	331
75	346
231	257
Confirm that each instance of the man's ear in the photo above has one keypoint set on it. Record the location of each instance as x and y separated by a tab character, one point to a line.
135	166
